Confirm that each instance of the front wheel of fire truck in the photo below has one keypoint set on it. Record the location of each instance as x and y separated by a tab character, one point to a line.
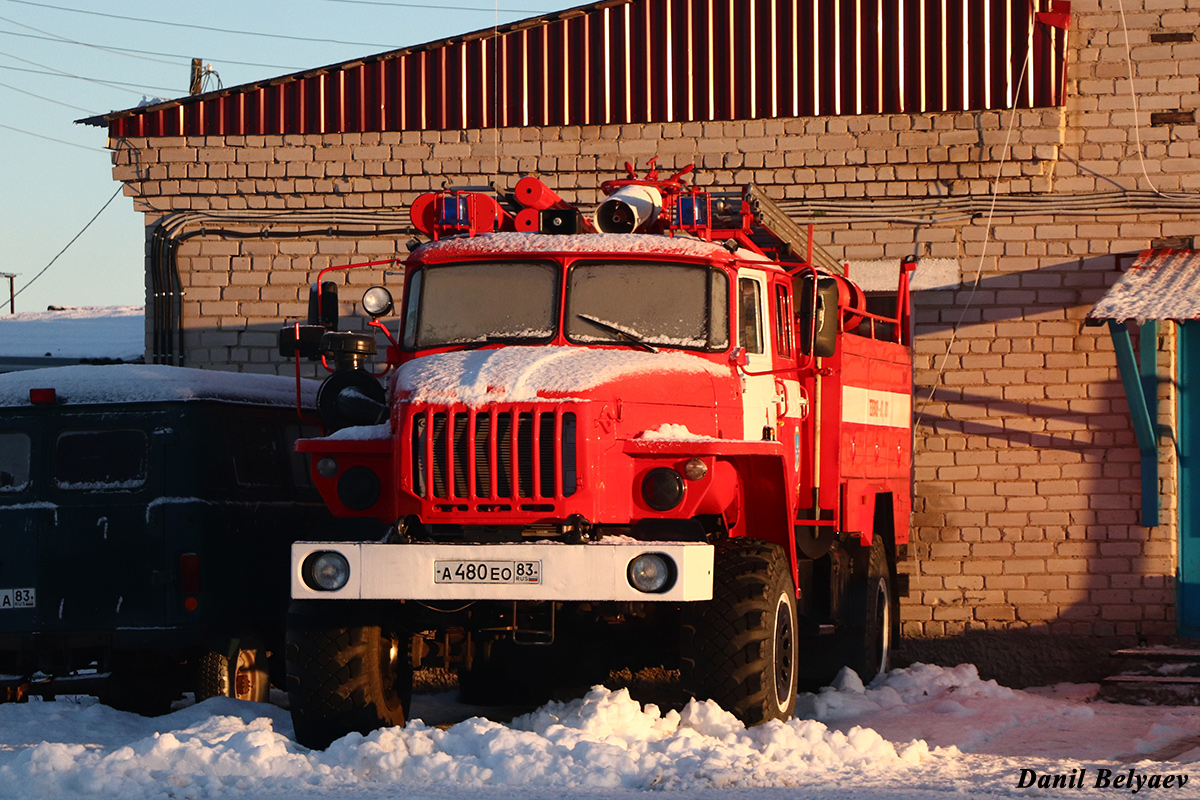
872	605
344	678
739	648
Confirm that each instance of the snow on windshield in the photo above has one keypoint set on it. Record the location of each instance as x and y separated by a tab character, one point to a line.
480	302
524	374
673	305
150	383
644	303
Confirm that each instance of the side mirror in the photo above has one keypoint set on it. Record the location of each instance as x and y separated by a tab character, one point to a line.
302	340
737	357
818	324
323	305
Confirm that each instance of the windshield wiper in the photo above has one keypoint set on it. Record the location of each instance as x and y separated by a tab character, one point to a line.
495	339
627	334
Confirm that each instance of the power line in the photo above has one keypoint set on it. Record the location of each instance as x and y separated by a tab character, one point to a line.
50	37
76	236
47	99
52	139
57	73
204	27
439	7
132	52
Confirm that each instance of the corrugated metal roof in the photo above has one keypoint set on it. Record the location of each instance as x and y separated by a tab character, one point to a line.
631	61
1161	284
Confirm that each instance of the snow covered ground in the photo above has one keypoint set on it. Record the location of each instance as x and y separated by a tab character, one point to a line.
117	332
916	733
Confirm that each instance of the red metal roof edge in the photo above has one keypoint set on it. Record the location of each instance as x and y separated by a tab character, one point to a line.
102	120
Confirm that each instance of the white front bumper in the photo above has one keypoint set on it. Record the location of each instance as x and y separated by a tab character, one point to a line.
592	571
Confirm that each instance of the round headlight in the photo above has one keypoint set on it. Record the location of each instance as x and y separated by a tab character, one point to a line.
662	488
377	301
651	573
326	571
327	467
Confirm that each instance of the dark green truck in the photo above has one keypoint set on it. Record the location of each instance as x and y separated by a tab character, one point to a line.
146	514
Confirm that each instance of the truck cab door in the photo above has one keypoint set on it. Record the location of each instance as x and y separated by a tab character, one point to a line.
759	406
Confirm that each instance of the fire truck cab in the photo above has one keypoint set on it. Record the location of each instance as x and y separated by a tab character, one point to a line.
659	435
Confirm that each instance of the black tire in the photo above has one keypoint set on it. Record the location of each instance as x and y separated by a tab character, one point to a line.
872	609
343	678
238	671
739	648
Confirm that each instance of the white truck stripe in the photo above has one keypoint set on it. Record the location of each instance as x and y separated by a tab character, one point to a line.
864	406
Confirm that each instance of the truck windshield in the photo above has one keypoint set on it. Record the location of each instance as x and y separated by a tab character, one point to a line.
648	303
483	302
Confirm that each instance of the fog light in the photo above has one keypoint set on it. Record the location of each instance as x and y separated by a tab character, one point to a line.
695	469
662	488
327	467
326	571
652	573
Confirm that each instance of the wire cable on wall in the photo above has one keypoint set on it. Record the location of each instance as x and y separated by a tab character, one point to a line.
987	234
167	292
1137	124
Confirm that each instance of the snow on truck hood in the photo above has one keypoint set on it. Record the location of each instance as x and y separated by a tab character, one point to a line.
529	374
150	383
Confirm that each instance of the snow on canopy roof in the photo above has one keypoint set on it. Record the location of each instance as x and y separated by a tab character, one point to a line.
526	374
608	243
1161	284
151	383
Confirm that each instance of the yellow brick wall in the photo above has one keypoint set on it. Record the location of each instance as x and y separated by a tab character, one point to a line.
1027	486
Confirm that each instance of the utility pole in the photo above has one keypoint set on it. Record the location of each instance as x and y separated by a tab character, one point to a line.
12	297
197	76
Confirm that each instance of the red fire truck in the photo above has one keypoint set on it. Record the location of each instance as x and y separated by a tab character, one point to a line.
657	435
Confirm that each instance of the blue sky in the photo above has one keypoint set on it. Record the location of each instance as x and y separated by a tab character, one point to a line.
62	60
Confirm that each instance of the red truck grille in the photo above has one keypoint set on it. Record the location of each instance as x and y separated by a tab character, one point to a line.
494	454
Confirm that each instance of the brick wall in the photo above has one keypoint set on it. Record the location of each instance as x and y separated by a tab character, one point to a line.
1026	515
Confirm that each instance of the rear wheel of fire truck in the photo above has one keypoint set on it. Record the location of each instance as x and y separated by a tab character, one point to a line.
344	678
739	648
238	671
869	637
